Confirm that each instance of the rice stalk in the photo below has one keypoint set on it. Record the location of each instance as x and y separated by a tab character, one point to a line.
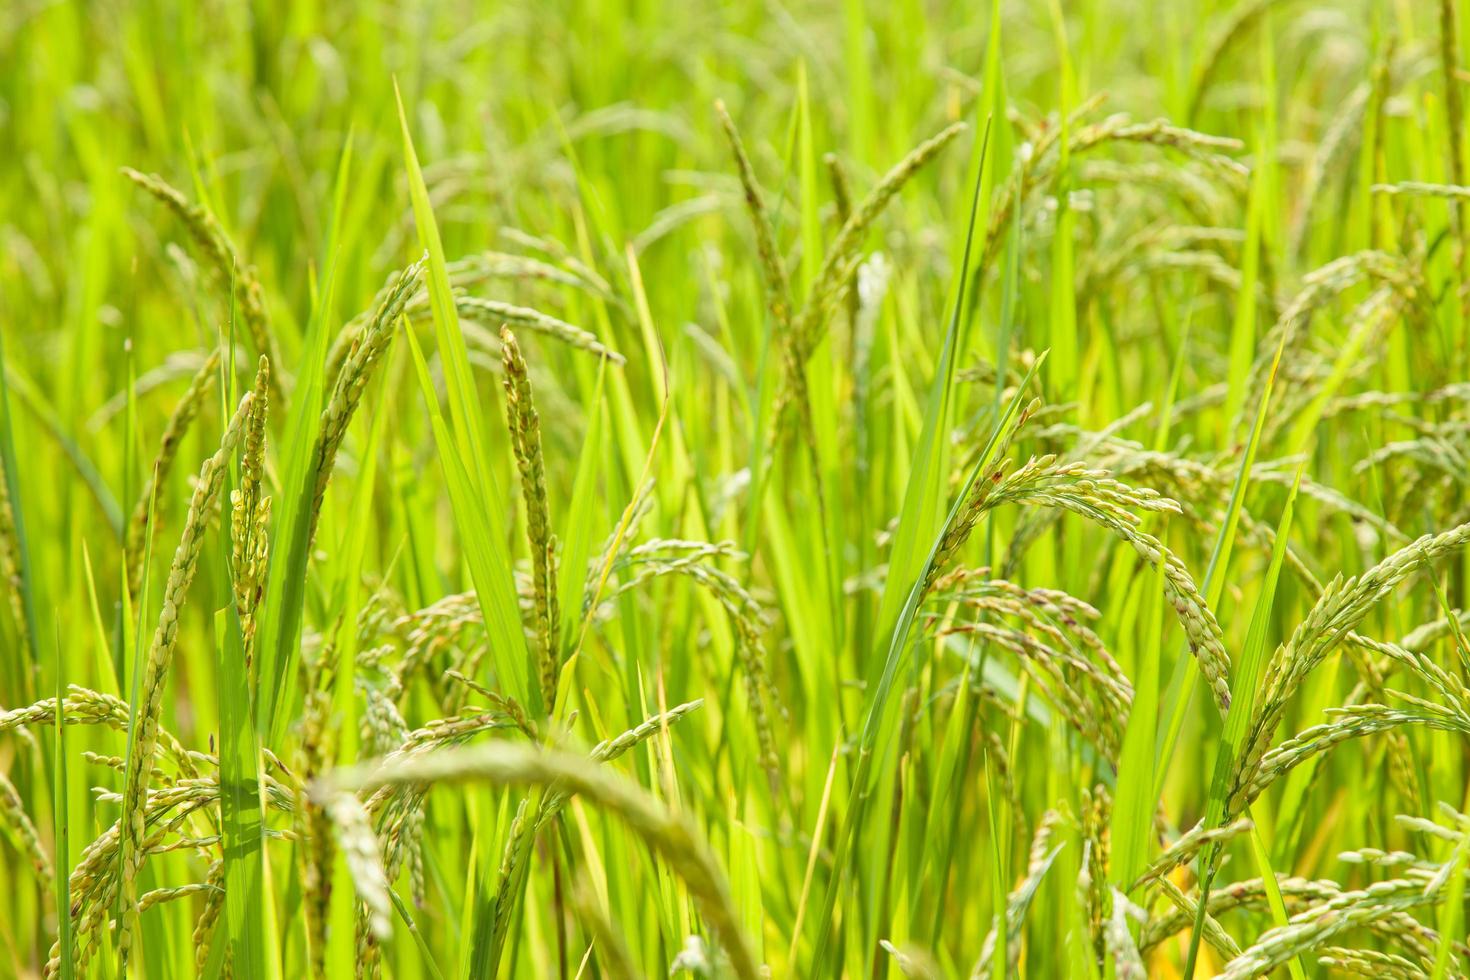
155	669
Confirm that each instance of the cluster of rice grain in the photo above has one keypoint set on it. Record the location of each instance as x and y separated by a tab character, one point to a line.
525	435
211	239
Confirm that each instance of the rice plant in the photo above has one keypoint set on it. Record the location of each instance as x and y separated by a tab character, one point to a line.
600	489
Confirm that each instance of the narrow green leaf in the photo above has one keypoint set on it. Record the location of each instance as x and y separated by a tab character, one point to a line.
478	502
281	613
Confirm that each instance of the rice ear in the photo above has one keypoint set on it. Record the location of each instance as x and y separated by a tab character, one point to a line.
210	236
669	834
184	413
525	436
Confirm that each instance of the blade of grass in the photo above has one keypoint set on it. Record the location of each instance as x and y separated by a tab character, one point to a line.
464	454
906	573
282	612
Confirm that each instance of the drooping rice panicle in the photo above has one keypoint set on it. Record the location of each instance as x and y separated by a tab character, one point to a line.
1317	925
82	706
1317	289
160	895
1298	893
665	832
466	273
477	309
1186	847
1095	496
525	826
1454	111
773	267
842	200
206	925
211	239
1370	963
1354	721
94	882
20	827
779	300
616	545
1188	909
1342	606
690	559
1242	18
839	262
347	390
134	544
1415	188
354	835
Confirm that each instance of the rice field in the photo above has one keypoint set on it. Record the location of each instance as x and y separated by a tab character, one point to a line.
612	489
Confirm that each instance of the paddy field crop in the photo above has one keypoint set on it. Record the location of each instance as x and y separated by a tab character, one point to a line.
823	489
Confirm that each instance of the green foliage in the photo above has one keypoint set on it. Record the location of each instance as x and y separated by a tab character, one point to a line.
834	489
